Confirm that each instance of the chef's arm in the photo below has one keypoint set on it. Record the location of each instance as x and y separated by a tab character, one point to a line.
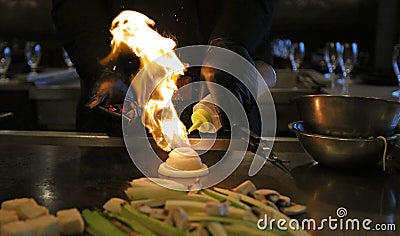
83	27
247	23
243	27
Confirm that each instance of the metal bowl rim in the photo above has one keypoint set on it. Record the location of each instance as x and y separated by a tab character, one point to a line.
291	127
347	97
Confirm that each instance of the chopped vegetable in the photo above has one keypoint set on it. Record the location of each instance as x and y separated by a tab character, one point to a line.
136	226
222	197
100	225
159	227
216	229
217	212
189	206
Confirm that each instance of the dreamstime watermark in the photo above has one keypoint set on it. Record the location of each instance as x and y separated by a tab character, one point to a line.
146	158
338	222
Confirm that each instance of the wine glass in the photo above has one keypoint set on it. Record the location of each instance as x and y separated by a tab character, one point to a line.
33	54
67	60
296	55
348	53
396	68
331	52
5	60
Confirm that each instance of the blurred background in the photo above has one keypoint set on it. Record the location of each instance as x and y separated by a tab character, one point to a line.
373	24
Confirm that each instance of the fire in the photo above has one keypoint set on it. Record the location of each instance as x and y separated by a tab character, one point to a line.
160	67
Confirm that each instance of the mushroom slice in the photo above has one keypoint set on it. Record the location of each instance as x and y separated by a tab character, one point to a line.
294	209
284	201
269	203
144	209
266	194
247	187
158	213
178	218
200	230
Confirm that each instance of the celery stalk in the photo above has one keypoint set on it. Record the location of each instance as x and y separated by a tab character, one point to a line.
221	219
160	200
234	212
222	197
136	226
189	206
158	227
100	225
239	230
228	192
93	232
137	193
216	229
151	202
146	182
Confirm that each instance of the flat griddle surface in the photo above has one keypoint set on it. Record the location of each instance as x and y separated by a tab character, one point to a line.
66	176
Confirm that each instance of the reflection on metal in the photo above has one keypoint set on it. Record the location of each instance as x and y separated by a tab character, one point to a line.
19	3
13	137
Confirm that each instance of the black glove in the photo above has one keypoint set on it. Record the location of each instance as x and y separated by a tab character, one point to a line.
228	81
241	91
110	89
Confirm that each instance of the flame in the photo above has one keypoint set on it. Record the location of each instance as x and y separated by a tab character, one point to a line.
160	67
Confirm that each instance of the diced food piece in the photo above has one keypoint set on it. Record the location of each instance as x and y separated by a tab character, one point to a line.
216	209
26	208
200	230
284	201
266	194
245	188
144	209
159	214
294	209
216	228
45	225
7	217
14	203
17	228
71	221
178	218
250	216
114	205
30	210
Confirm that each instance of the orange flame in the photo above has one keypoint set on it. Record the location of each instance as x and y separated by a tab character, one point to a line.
160	67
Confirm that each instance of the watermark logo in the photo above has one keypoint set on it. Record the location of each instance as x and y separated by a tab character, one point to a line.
339	222
146	158
341	212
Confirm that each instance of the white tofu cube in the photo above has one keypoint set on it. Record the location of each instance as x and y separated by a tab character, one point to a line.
14	203
7	217
30	210
114	205
47	225
17	228
71	221
26	208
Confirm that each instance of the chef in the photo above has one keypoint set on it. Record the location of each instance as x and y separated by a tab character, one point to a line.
83	26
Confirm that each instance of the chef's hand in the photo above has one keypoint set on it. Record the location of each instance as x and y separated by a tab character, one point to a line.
236	87
109	89
241	92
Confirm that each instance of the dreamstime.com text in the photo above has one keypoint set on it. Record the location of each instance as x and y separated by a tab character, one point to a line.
338	222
